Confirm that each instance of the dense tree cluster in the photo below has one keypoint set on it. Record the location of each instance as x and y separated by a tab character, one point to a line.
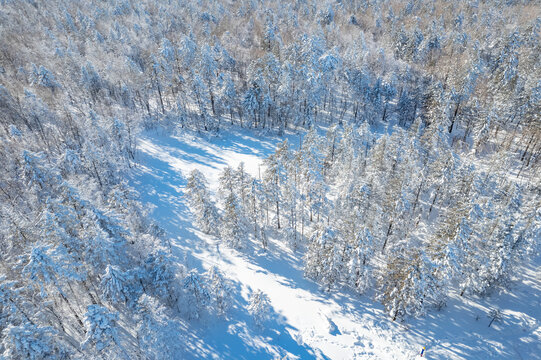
278	64
401	213
77	248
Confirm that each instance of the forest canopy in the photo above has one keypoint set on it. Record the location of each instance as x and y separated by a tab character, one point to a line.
418	173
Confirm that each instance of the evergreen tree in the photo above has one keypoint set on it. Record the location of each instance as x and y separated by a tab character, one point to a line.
259	307
324	258
197	295
407	285
114	285
220	291
232	229
101	328
28	341
360	268
206	214
157	330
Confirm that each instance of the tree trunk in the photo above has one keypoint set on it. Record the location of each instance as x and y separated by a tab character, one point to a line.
278	214
387	236
454	118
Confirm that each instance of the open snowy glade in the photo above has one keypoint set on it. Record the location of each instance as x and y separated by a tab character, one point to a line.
313	179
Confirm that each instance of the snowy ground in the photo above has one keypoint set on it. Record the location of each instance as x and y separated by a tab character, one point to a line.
307	322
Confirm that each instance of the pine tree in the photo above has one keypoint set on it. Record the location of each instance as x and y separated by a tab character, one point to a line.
208	69
259	307
241	181
205	211
101	328
114	284
273	178
360	268
407	285
228	97
48	266
312	180
157	330
43	77
324	260
28	341
155	274
232	229
255	199
227	182
197	295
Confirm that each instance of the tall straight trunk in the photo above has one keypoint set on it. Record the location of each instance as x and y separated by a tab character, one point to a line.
211	93
159	91
79	321
302	220
532	154
417	197
278	214
387	236
527	148
433	201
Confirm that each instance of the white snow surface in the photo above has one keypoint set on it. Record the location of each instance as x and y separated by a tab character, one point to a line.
307	322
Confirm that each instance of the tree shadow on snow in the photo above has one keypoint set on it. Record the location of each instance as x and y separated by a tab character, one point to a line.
239	337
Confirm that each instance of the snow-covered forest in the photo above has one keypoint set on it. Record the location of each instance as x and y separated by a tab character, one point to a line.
266	179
